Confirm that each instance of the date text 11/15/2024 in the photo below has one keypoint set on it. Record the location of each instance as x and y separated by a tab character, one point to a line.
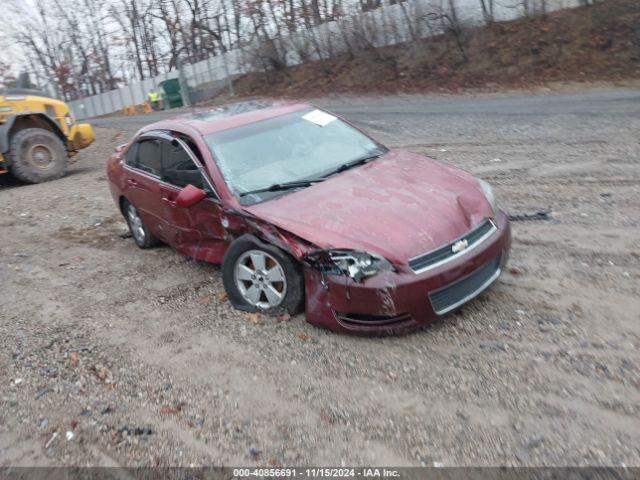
363	472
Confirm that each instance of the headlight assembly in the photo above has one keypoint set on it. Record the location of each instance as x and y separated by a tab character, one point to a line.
488	193
351	263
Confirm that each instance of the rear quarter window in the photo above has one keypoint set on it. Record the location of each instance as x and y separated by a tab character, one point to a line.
130	156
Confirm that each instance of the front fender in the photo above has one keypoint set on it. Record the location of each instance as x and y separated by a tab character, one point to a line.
38	118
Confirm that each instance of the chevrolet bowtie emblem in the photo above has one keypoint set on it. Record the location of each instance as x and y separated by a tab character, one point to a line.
459	246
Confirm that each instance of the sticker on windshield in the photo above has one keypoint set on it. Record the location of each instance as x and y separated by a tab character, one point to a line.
319	118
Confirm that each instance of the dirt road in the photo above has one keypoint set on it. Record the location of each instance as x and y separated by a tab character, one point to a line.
110	355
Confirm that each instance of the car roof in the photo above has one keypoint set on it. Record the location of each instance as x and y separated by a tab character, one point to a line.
230	116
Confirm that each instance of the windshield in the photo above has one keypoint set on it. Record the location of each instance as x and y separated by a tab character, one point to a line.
304	145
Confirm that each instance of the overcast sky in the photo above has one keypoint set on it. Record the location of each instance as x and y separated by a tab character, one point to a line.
7	50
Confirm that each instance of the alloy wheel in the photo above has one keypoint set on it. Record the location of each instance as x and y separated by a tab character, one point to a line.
135	223
260	279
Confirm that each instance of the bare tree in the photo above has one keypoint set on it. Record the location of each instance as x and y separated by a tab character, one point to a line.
7	78
487	10
450	23
91	46
130	21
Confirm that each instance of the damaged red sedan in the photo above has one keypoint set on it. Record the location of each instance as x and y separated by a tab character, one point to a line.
306	212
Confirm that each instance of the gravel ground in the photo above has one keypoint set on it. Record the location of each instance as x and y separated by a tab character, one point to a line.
110	355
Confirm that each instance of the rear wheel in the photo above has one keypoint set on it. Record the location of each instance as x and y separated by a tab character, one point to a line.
261	277
139	231
37	155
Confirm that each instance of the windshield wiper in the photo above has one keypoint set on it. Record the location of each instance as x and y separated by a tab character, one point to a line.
360	161
276	187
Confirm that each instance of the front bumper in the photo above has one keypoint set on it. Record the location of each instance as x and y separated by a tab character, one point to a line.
404	300
82	135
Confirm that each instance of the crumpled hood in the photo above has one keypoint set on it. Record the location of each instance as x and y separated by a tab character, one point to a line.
398	206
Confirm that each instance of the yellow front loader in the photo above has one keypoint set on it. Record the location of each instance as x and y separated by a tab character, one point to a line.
38	135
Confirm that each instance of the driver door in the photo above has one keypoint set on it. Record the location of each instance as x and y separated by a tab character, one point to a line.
197	230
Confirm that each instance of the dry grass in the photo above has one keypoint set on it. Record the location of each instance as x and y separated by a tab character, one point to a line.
600	42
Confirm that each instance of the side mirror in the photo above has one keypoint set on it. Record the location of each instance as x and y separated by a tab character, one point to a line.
189	196
120	148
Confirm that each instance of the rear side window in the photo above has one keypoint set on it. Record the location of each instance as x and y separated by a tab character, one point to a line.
149	156
177	167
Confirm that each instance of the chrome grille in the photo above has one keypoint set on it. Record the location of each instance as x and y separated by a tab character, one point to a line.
440	255
452	296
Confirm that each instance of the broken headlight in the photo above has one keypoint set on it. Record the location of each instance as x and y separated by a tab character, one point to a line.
352	263
488	193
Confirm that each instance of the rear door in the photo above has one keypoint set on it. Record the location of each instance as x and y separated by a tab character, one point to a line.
142	182
197	230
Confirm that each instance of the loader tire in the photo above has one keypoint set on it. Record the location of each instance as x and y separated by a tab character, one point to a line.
37	155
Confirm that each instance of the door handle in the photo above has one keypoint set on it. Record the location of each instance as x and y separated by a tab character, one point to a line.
132	181
169	201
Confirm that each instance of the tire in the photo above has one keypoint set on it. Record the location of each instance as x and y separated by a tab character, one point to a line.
37	155
261	280
139	231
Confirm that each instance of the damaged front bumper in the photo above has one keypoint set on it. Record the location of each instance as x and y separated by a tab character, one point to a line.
403	300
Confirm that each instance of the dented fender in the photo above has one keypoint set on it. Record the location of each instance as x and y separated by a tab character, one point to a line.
237	223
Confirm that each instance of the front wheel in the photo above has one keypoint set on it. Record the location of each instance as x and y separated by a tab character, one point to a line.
37	155
260	277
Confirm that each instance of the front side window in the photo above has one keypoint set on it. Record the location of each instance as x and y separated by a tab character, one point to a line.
177	167
298	146
149	156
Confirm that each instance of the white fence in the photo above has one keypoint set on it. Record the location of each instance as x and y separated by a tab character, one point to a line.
211	70
389	25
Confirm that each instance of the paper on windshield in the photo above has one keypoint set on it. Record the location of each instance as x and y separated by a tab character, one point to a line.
319	118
